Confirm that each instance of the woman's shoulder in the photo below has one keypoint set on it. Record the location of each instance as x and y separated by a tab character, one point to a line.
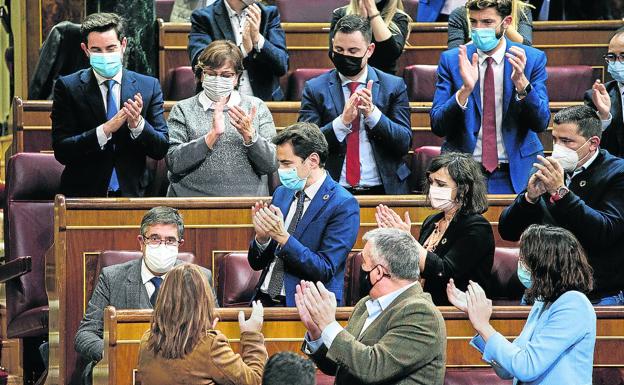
469	219
187	103
573	298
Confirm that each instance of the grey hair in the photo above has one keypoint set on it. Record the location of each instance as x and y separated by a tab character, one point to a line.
397	250
163	215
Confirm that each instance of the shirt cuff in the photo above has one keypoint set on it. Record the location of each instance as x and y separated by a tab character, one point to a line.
242	48
260	44
262	246
607	122
340	129
312	346
373	118
254	139
101	136
478	343
330	332
135	132
463	107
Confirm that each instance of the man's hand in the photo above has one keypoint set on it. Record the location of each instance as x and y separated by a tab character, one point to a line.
243	122
366	105
304	314
133	108
320	303
262	232
271	220
469	71
247	42
255	321
517	58
218	124
254	16
535	189
601	99
115	123
350	111
550	173
387	218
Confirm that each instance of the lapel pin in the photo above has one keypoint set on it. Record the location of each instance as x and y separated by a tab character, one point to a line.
583	183
325	197
443	241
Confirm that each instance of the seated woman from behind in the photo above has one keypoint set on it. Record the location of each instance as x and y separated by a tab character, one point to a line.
458	242
182	345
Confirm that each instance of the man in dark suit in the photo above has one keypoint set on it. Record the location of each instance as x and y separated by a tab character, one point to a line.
134	284
363	113
490	99
256	30
106	120
310	226
580	188
395	335
606	98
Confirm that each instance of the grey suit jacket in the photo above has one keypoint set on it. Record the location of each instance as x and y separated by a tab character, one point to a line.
119	286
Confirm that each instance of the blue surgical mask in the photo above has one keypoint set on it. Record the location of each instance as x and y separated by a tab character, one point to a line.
106	64
524	275
291	180
485	38
616	69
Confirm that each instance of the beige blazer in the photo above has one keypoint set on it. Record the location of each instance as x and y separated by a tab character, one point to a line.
211	362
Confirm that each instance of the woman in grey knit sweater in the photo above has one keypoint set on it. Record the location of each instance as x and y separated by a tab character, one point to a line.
220	140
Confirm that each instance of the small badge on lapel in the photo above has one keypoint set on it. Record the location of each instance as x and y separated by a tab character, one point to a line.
443	241
325	197
583	183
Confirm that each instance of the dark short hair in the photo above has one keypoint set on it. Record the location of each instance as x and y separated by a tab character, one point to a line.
288	368
503	7
556	261
163	215
353	23
468	175
102	22
585	118
218	53
306	139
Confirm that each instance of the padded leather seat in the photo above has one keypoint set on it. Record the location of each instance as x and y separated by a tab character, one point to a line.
235	280
179	83
351	292
569	83
421	160
306	11
505	287
421	81
297	79
29	323
163	9
473	376
411	8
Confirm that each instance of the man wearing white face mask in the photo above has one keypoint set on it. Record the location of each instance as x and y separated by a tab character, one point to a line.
134	284
579	188
106	120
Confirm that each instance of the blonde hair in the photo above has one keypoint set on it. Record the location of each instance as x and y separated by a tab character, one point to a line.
184	312
387	13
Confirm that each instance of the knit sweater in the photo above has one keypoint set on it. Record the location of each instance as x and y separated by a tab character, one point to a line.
231	168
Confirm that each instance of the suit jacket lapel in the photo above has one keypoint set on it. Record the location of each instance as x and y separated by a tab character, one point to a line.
507	83
92	94
476	92
322	196
372	75
335	90
135	291
128	88
223	21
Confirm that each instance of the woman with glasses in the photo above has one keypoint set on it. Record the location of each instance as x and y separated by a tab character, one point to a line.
457	242
183	346
556	345
220	140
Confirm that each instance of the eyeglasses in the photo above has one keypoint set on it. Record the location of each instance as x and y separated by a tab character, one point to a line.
155	240
611	58
227	75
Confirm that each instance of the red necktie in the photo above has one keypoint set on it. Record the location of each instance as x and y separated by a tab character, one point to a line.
489	152
353	146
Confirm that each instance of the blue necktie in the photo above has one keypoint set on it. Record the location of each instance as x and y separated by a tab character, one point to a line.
111	111
157	281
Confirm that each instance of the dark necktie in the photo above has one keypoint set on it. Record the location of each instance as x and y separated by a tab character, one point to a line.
157	281
111	111
353	146
277	277
489	152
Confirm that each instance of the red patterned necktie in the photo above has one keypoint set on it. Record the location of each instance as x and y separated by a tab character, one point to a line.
489	152
353	146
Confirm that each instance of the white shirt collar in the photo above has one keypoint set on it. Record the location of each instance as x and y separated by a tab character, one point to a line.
588	163
231	12
312	189
362	79
384	301
147	275
101	79
498	56
207	104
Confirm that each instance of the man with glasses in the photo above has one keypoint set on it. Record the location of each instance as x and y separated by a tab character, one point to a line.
133	284
606	98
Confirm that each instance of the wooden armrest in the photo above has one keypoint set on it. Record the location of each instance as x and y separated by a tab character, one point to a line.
15	268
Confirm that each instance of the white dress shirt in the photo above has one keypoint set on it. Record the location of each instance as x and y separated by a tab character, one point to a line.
369	175
238	25
99	130
310	193
146	276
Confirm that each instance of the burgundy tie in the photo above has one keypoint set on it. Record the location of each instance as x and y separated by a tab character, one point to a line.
489	152
353	146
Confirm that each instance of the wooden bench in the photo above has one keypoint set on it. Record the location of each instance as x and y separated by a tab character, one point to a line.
283	330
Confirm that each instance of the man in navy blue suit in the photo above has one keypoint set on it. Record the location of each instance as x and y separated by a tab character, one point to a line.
491	99
363	113
255	28
308	230
106	120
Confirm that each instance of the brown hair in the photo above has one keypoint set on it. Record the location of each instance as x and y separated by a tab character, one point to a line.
218	53
556	261
517	8
184	312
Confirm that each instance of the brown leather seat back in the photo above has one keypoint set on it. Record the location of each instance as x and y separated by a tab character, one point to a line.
568	83
297	80
506	288
306	11
351	293
235	280
473	376
179	83
421	160
421	81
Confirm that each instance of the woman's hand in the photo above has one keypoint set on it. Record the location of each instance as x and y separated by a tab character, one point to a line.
363	9
387	218
243	122
456	297
218	124
479	310
255	321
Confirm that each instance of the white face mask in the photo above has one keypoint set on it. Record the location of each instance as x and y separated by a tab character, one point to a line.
160	259
216	87
440	198
568	158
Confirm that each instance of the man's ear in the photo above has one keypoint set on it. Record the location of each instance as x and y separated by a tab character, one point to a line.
507	21
140	240
595	142
124	44
315	159
84	49
370	49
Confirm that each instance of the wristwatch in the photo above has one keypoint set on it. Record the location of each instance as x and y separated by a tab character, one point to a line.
559	194
525	91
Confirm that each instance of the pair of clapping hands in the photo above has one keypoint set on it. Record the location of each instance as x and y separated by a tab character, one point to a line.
130	112
242	122
268	222
473	302
359	101
251	28
316	306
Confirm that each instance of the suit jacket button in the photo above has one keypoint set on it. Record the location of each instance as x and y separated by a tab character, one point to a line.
583	183
443	241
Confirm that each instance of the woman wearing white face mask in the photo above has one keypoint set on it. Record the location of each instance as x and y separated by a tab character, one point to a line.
220	140
458	242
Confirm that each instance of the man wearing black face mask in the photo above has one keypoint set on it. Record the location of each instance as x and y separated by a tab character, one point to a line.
363	113
395	335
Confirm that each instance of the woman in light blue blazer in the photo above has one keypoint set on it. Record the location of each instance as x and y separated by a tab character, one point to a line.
556	345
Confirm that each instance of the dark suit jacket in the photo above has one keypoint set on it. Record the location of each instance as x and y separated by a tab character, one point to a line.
323	101
78	109
522	120
319	246
405	344
465	253
574	9
264	67
593	211
613	136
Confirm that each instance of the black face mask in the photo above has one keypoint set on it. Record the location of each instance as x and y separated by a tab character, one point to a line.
346	65
365	284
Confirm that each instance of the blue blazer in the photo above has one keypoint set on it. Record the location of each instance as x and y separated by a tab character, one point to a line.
323	101
318	249
78	109
556	345
264	67
522	120
429	10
